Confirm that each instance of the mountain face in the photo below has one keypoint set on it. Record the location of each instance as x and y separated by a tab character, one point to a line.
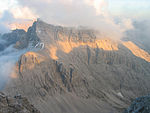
18	104
17	37
73	70
140	105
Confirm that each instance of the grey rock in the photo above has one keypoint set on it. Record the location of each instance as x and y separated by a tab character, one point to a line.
15	105
17	37
84	80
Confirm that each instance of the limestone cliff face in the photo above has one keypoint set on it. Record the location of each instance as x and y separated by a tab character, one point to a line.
73	70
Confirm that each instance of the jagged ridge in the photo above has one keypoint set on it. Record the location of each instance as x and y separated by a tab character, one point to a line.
82	68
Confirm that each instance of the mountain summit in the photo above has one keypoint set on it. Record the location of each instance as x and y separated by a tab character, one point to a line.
73	70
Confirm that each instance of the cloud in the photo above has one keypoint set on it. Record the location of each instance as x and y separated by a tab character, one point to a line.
3	28
8	59
99	5
18	17
140	35
23	13
141	31
6	18
91	13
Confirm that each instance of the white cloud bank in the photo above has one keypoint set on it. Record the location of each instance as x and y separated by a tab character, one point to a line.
8	59
91	13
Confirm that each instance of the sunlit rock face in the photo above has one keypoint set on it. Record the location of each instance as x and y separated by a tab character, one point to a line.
21	25
74	70
137	51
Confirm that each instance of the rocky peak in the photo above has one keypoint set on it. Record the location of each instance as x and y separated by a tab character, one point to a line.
17	37
16	104
73	61
14	36
32	35
63	33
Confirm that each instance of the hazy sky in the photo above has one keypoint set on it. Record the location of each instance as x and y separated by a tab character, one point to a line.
129	8
135	8
113	16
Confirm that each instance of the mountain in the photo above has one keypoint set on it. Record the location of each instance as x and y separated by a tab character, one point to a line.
140	105
71	69
17	37
17	104
139	35
21	24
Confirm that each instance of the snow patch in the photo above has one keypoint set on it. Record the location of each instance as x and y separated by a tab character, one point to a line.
39	45
120	94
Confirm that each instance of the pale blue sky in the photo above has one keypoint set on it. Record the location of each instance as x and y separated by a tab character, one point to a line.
129	7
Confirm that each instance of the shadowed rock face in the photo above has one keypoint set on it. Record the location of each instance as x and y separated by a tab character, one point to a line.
17	37
139	105
17	104
75	71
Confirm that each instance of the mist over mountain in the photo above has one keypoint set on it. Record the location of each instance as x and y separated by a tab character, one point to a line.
68	69
74	56
12	46
140	35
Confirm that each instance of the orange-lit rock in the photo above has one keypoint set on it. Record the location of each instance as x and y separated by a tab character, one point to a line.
29	60
52	52
137	51
87	72
21	25
104	44
68	46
